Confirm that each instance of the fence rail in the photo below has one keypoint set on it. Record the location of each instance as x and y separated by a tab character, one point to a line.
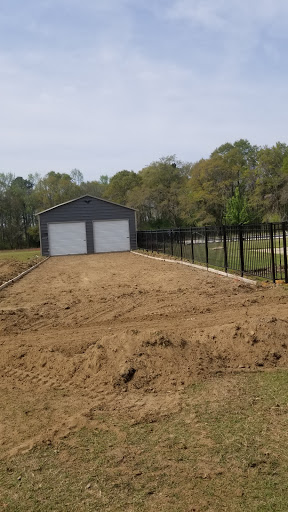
254	249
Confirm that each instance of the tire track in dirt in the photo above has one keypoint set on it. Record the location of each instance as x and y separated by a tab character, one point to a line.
88	334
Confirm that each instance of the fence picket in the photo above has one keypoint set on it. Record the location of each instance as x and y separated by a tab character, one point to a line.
258	249
285	251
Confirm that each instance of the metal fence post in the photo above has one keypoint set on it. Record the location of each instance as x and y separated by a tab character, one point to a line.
285	251
241	250
206	246
272	252
192	245
225	248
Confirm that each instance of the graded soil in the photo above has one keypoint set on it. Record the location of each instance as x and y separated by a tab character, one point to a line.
10	268
125	335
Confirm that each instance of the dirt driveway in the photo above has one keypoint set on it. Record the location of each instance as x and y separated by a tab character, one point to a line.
118	331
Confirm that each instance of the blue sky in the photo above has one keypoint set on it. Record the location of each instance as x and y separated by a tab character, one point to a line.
106	85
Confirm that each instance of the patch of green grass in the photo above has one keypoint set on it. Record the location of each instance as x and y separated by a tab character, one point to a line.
20	255
257	256
248	427
226	449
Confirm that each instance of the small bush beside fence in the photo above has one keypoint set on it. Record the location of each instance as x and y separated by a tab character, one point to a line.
258	250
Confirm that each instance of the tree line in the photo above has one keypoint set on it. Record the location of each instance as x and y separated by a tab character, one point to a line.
239	183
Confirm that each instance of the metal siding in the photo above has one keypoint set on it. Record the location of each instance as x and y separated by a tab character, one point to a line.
79	211
89	237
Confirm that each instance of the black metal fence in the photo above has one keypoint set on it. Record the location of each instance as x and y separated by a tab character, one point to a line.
258	250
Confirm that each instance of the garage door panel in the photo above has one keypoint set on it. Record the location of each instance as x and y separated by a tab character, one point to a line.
67	238
111	235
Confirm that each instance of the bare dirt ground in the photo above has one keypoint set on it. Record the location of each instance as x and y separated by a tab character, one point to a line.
12	268
85	334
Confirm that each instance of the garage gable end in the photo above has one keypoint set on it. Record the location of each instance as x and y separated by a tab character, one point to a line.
87	210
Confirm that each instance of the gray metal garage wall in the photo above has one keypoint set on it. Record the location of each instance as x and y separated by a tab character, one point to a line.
86	209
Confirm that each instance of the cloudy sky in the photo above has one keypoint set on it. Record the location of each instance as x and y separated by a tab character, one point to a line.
105	85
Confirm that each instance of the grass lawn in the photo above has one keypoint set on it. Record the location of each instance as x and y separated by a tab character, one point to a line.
257	256
19	255
226	449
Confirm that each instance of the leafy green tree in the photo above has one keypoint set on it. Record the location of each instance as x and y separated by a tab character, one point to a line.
104	179
271	183
77	176
93	188
5	208
241	152
157	198
237	210
215	180
24	204
241	159
238	183
55	188
120	185
209	189
17	211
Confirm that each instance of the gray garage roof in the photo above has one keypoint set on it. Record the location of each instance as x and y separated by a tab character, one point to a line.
81	197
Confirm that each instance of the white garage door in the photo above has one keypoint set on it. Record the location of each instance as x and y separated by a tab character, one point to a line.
67	238
111	235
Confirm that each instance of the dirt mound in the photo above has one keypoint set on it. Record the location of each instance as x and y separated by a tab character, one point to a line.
149	360
12	268
117	332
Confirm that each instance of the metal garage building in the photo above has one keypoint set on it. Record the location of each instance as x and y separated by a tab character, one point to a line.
87	225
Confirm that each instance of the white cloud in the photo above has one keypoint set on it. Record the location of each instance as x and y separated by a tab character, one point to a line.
220	13
109	103
200	12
